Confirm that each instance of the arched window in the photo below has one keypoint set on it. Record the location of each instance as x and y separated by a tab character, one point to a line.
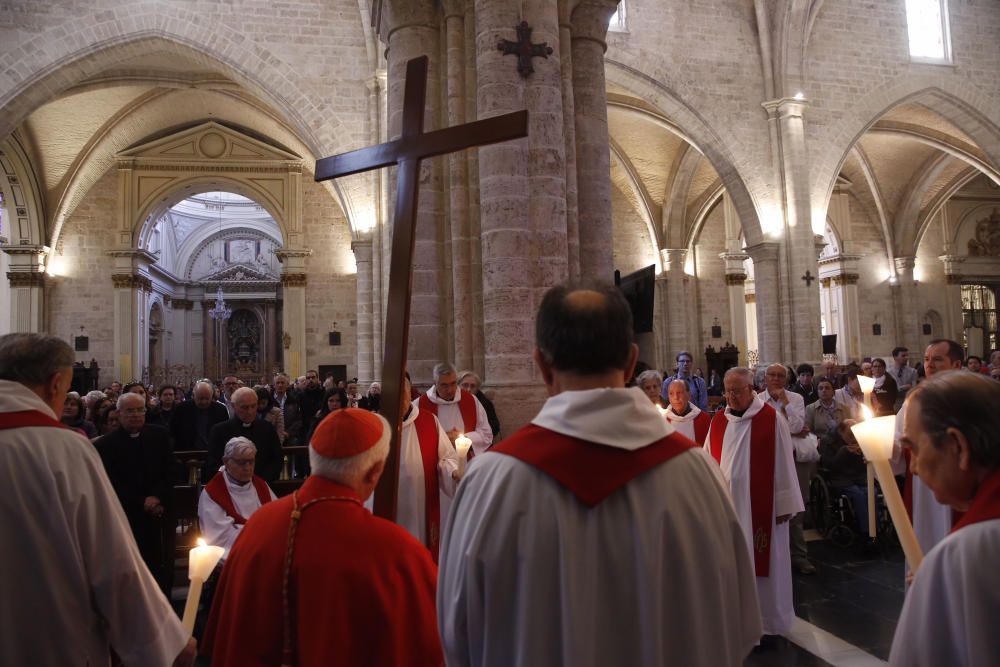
617	22
927	25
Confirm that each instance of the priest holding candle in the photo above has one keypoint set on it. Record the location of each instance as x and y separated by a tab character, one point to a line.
949	614
428	467
459	412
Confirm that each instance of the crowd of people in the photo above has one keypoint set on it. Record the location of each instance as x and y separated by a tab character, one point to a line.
657	517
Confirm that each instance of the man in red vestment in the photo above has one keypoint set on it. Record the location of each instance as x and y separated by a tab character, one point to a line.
458	411
315	579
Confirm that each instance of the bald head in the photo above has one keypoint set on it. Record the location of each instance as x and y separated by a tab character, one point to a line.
584	329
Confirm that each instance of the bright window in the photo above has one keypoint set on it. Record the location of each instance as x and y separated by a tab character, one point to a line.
617	22
927	25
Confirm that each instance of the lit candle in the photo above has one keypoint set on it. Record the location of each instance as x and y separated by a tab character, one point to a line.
876	437
867	387
201	562
663	411
462	444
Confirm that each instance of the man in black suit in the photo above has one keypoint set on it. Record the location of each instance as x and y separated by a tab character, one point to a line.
246	424
138	459
193	420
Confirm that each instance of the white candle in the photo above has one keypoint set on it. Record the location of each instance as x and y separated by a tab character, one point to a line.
876	437
462	444
201	561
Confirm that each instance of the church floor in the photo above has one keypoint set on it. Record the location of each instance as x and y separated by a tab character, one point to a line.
847	611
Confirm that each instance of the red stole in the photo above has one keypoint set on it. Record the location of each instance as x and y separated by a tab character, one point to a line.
28	418
466	405
427	436
762	453
985	505
219	492
701	424
590	471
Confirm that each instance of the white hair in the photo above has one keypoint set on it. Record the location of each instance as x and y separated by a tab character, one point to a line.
352	469
127	397
241	392
238	445
94	396
650	374
740	370
442	369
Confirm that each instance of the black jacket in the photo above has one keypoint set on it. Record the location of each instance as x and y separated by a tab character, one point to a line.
259	432
188	418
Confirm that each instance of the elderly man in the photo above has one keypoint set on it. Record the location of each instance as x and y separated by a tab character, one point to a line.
193	420
473	384
595	535
88	590
950	431
698	391
754	448
232	495
428	467
139	462
361	588
791	406
686	417
246	424
458	411
372	400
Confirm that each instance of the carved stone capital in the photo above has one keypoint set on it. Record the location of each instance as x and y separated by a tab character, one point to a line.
293	280
825	282
846	279
26	278
131	281
750	298
735	279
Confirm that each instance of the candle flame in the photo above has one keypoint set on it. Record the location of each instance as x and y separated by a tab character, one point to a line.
201	542
867	413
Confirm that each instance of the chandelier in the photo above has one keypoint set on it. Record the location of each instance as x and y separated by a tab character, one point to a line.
221	311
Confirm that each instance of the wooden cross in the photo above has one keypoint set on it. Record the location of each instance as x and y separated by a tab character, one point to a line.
524	49
407	151
809	278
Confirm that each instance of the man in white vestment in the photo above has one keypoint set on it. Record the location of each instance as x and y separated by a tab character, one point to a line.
764	489
595	535
458	411
75	585
791	406
931	519
949	616
687	418
428	468
232	495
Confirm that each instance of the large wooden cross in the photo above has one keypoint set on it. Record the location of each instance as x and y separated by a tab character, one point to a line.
407	151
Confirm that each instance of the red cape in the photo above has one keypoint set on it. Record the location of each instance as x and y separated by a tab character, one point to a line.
361	589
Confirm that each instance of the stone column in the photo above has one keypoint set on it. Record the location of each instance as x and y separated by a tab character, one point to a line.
569	134
907	304
677	306
589	21
412	29
661	318
799	302
953	320
26	274
767	283
131	290
735	287
366	307
294	303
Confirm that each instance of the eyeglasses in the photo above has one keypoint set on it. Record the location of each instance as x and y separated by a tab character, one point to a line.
133	411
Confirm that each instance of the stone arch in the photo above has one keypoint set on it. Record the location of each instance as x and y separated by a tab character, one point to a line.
959	102
711	142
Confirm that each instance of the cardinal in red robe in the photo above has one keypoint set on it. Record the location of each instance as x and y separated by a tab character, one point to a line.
316	579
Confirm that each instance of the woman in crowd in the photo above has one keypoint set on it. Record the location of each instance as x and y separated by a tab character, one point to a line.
651	383
335	399
73	415
269	412
884	395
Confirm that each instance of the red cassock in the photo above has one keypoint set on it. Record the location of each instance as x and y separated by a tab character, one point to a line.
361	589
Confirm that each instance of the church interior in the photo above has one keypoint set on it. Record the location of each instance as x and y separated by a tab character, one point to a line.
790	181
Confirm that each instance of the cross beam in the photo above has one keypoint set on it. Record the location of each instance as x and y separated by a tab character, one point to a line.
407	151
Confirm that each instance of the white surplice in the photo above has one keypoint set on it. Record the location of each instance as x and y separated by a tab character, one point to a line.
73	577
218	528
950	611
774	591
450	416
684	424
655	574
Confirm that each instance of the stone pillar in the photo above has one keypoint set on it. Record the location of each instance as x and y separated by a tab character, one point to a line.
844	291
953	319
735	287
753	342
569	134
26	275
589	22
907	304
130	290
366	307
799	301
767	284
294	319
412	29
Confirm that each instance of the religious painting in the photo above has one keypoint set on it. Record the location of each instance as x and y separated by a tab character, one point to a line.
244	332
243	251
987	240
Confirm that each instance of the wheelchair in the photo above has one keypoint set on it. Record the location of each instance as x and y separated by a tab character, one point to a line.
832	515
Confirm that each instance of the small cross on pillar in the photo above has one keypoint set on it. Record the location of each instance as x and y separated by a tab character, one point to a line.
809	278
524	49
